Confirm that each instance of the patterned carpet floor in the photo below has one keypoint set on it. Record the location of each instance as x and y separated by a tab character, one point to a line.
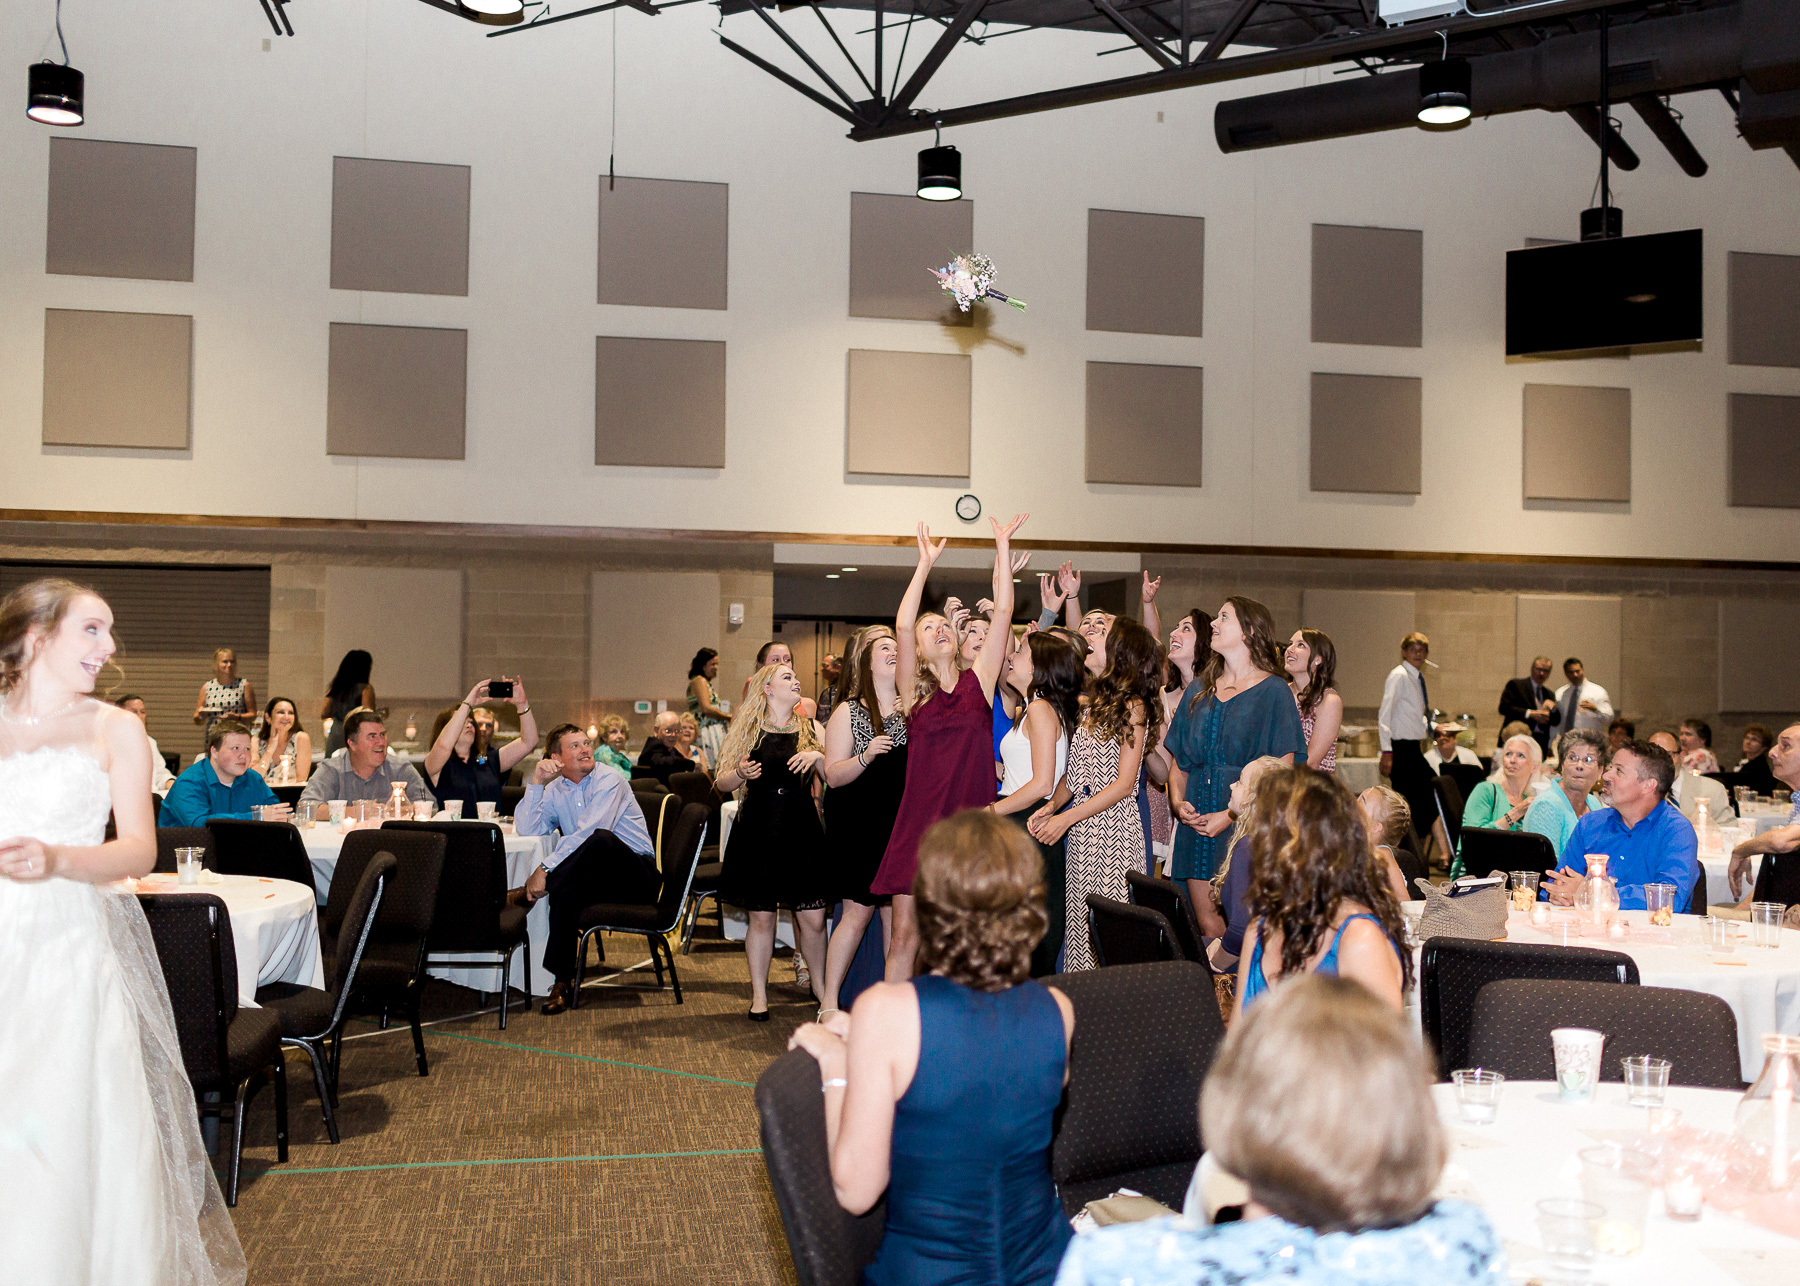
615	1143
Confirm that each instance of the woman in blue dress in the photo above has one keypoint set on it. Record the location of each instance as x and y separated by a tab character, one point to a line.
1237	709
942	1091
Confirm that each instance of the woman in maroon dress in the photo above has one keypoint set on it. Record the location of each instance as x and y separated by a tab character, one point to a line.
949	729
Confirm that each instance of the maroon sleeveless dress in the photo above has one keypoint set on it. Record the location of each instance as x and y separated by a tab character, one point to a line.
949	767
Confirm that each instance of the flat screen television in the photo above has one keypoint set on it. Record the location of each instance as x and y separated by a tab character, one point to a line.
1622	292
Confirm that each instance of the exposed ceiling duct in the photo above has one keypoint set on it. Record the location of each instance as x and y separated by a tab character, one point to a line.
1710	48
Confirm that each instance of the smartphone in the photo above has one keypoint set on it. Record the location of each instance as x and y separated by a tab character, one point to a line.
501	688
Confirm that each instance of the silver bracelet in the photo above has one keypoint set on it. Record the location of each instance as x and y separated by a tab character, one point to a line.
835	1083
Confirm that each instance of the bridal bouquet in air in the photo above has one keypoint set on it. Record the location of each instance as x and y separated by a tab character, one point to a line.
970	277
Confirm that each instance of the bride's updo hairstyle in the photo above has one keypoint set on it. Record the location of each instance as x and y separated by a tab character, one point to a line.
980	901
42	604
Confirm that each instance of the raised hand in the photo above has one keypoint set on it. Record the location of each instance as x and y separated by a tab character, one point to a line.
928	552
1019	559
1150	587
984	605
1069	579
1003	532
1048	594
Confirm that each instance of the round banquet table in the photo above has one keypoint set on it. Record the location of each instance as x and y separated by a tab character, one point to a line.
274	927
1762	986
1529	1153
523	853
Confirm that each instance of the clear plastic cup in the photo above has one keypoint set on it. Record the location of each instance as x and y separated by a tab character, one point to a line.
1659	901
188	862
1765	924
1478	1094
1619	1181
1722	933
1646	1080
1566	1225
1524	886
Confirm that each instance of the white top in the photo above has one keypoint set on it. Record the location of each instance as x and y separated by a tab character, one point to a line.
1689	788
160	776
1015	759
1463	755
1570	715
1403	715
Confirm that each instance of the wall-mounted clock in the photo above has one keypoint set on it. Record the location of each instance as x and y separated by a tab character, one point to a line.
968	508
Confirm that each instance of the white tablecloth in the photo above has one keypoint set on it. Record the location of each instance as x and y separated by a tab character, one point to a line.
1762	986
1529	1153
274	927
1718	878
523	853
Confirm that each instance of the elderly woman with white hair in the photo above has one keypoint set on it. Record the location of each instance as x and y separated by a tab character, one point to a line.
1501	802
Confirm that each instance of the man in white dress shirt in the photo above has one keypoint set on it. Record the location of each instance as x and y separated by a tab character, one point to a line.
1579	702
1690	788
1405	723
160	776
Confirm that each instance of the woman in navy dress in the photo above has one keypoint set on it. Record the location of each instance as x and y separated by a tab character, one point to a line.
942	1091
1239	708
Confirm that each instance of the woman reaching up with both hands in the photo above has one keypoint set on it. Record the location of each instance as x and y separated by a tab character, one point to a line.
949	729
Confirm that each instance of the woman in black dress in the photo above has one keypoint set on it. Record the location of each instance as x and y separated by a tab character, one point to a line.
776	855
865	768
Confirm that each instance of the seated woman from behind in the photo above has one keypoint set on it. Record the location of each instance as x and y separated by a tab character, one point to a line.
1321	901
1389	818
1320	1101
944	1091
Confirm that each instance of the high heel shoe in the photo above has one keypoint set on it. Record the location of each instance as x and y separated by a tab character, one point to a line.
756	1017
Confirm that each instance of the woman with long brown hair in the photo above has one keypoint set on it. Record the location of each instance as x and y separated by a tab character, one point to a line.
1238	708
1311	664
1319	896
1103	827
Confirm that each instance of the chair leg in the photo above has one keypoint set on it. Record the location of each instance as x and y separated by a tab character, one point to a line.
674	978
581	945
316	1054
237	1142
525	969
505	988
337	1061
650	940
418	1034
281	1121
690	915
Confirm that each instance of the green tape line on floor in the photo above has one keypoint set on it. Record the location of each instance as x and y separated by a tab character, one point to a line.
590	1058
451	1165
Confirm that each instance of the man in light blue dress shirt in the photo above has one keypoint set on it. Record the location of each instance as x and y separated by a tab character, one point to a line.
605	853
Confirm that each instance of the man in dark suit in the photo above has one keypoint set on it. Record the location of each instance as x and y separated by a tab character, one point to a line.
1529	702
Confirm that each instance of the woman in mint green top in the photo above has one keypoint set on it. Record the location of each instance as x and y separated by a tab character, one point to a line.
1556	810
1500	802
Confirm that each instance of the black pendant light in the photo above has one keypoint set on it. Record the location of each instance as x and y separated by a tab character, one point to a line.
1444	89
54	91
499	13
940	172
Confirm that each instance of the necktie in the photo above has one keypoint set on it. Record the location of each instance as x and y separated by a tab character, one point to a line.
1426	696
1574	704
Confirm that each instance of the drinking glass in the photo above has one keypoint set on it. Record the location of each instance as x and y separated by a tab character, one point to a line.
369	810
1743	795
187	865
1618	1180
1524	888
1659	900
1566	1226
1478	1094
1646	1080
1565	932
424	811
1577	1054
454	808
338	808
256	812
1781	798
1765	924
1722	933
485	810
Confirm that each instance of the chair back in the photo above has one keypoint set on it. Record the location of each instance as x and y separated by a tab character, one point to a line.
1412	866
1123	934
1697	899
289	795
359	924
170	838
509	799
1486	850
697	788
191	932
269	850
1450	800
1145	1036
647	779
681	854
1452	972
660	811
830	1246
1163	896
472	892
410	902
1509	1030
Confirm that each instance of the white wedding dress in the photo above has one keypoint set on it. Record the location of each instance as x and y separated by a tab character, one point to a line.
103	1177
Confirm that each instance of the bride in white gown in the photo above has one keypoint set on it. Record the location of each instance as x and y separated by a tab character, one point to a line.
103	1178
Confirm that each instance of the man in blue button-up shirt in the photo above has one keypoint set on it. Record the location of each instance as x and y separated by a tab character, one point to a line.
220	785
605	853
1647	838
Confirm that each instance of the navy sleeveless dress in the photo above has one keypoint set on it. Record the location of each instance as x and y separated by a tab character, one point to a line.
970	1201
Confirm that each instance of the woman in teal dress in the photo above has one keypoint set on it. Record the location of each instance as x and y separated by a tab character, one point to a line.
1237	709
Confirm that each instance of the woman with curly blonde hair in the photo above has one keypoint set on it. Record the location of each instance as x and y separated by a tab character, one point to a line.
1104	827
1321	901
942	1091
776	856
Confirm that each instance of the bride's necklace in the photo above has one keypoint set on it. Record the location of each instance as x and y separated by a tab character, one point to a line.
33	720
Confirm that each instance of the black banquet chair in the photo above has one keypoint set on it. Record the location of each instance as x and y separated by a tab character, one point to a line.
658	921
1509	1030
269	850
473	916
1486	851
224	1048
1162	895
1123	934
392	975
311	1017
170	838
1452	972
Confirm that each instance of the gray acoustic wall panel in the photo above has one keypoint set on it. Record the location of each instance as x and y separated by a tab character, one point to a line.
117	379
1368	285
659	402
1763	309
663	242
1577	442
1366	433
120	210
399	226
1143	424
895	241
907	414
1146	273
1765	451
397	391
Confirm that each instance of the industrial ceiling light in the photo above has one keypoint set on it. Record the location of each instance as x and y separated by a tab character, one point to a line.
940	170
54	91
1444	89
501	12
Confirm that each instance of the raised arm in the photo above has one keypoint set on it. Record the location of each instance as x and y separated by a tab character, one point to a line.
908	615
1152	617
1069	580
513	752
442	748
992	656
